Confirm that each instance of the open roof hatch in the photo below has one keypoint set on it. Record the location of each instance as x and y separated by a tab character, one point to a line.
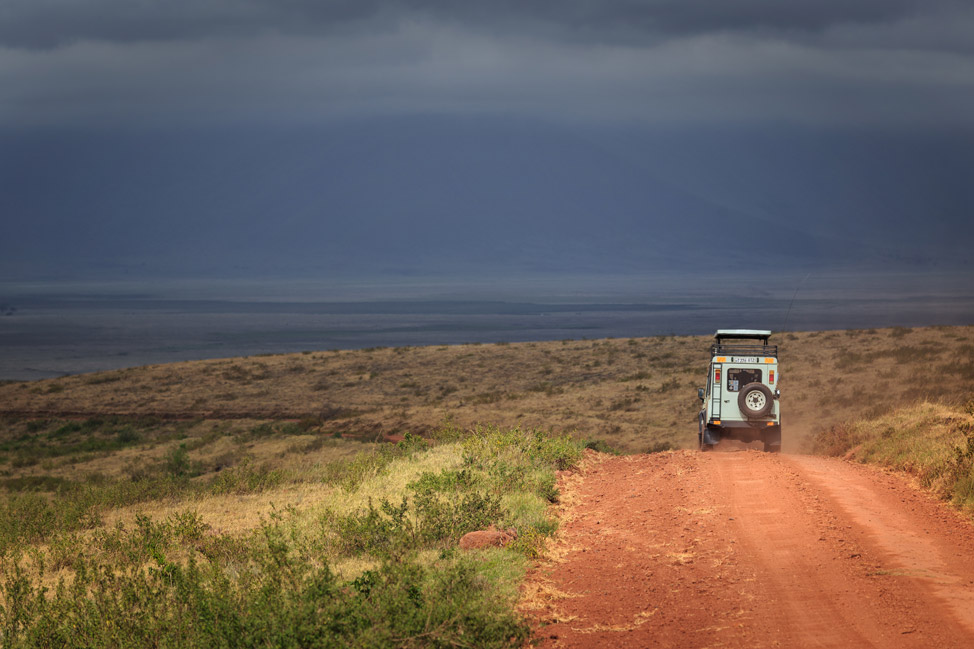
742	334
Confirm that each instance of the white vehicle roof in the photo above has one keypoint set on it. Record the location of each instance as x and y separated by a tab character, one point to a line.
742	333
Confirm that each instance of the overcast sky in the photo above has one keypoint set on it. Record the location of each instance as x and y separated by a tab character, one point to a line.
902	64
440	136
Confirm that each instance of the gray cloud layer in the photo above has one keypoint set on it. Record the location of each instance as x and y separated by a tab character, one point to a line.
886	62
54	23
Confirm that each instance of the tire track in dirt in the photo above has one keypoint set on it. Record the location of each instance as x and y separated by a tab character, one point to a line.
746	549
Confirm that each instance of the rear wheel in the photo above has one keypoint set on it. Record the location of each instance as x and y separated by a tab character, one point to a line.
703	447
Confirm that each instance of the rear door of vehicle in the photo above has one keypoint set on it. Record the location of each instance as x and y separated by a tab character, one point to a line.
740	371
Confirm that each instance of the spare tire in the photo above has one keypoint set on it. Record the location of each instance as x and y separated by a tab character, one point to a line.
755	400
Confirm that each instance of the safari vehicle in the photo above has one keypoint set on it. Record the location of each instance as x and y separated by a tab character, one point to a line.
740	401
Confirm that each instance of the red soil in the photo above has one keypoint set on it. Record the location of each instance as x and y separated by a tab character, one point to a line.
746	549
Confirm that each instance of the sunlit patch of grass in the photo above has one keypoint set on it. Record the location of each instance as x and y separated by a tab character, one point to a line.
504	568
393	479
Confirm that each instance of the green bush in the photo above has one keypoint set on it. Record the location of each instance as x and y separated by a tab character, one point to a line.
29	517
660	447
93	435
35	483
534	448
32	517
442	521
280	601
178	465
433	520
383	531
962	468
445	481
602	446
349	474
247	478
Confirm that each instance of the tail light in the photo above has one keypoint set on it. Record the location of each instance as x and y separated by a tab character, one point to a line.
771	377
717	375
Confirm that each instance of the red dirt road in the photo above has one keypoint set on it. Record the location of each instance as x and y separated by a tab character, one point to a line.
747	549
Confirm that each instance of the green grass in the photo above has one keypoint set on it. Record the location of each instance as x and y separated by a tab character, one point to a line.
43	439
395	514
270	595
29	517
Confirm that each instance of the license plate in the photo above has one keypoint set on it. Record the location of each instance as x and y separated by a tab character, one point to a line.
744	359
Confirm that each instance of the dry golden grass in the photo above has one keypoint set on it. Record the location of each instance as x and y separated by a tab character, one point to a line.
229	513
930	441
212	446
632	393
235	513
304	503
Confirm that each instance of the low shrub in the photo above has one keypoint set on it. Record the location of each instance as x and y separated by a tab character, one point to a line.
961	469
247	478
602	446
279	600
35	483
29	517
177	463
430	521
661	446
351	473
441	521
383	531
447	480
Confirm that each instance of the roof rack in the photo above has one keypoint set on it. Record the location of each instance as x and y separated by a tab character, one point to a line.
743	344
745	334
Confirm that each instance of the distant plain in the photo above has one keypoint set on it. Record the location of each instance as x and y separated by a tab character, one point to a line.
51	329
636	394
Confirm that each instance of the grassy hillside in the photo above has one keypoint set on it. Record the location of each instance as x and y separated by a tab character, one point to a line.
635	393
356	553
932	441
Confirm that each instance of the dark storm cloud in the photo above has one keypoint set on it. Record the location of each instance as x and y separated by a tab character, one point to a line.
124	130
634	21
880	62
47	23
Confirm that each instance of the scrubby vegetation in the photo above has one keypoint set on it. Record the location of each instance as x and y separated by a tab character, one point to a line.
371	563
932	441
636	394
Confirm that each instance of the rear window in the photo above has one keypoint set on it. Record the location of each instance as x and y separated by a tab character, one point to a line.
737	378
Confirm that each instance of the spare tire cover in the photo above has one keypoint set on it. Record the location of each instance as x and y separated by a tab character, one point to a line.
755	400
